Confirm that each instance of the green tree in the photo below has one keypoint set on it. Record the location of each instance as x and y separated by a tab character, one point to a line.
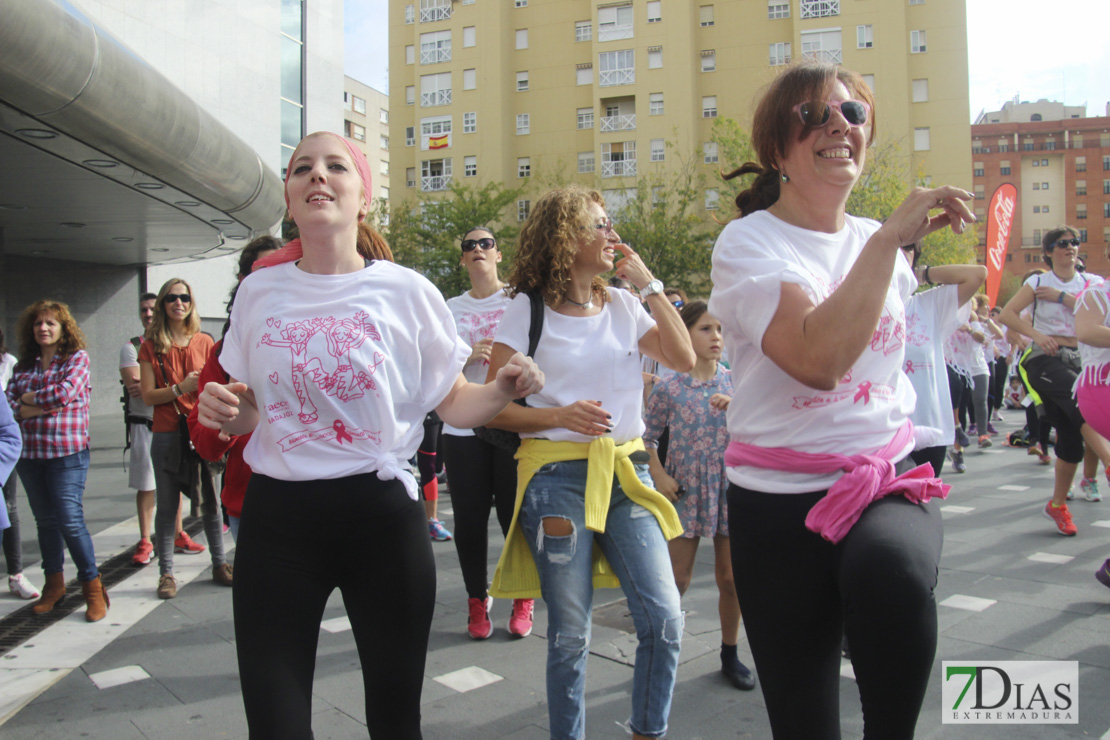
734	148
883	185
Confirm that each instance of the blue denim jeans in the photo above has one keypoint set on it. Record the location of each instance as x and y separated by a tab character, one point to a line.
635	546
55	489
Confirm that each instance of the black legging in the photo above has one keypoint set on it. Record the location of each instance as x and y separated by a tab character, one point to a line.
1053	380
800	594
932	455
300	540
1000	371
426	457
480	476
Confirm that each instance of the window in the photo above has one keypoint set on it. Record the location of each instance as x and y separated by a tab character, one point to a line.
470	166
655	104
1003	147
917	42
584	74
467	2
384	141
618	159
469	36
521	81
654	11
980	193
435	132
1036	236
522	38
434	10
1044	186
709	106
655	57
346	101
585	162
435	47
712	195
1036	209
1044	209
705	15
1027	146
1081	211
823	46
410	94
1080	164
383	115
1036	117
523	124
435	89
384	167
870	80
1036	186
470	79
523	208
921	91
617	68
1050	145
435	174
1106	162
583	31
357	132
917	2
1083	238
522	3
921	139
385	193
1081	187
777	9
978	169
780	54
523	167
865	37
410	177
658	197
360	105
1036	163
470	122
1044	163
410	14
1106	210
1105	187
820	8
709	61
410	136
614	22
658	150
709	152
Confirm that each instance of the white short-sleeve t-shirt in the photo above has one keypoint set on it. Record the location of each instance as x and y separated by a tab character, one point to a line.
129	357
586	358
344	367
1096	298
753	256
475	319
930	317
1050	317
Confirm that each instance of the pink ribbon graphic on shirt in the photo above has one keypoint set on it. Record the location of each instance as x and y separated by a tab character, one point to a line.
863	391
909	370
341	432
337	431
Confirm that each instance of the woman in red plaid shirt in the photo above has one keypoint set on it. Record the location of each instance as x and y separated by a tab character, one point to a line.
49	396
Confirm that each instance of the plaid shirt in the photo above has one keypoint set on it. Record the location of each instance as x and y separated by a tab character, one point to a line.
62	391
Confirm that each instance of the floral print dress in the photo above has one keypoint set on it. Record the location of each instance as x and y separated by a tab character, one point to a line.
696	451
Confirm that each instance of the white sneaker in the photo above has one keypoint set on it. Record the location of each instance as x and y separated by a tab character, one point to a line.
21	587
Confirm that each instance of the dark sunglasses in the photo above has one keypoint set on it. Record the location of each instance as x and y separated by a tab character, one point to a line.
1065	243
816	113
679	303
173	297
486	242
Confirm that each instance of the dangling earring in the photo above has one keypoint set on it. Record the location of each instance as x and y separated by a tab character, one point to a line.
785	177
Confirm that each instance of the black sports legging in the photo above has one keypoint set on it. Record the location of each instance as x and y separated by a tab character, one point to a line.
480	476
800	594
300	540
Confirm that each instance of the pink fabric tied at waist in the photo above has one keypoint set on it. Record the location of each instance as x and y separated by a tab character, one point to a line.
867	478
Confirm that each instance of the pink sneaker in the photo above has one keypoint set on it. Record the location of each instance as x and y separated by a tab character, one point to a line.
520	623
478	625
1062	518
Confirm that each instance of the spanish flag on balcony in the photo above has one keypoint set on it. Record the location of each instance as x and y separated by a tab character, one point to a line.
437	142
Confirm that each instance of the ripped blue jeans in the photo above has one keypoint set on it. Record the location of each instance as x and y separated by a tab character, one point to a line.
634	545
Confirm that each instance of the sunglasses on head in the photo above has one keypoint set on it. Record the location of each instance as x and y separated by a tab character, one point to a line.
816	113
486	242
1065	243
173	297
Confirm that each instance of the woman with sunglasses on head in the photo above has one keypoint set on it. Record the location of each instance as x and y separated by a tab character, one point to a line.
481	475
586	515
372	344
170	362
811	300
1052	362
49	397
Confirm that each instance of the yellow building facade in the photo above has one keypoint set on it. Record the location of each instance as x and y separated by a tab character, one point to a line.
501	90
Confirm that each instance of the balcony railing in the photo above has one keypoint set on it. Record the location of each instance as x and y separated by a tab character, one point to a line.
435	56
618	123
434	98
820	8
614	32
608	78
831	56
429	183
623	168
435	13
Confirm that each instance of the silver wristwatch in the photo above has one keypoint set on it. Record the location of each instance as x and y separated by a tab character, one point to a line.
655	286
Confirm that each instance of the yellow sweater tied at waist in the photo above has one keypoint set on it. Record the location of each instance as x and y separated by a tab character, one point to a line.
516	576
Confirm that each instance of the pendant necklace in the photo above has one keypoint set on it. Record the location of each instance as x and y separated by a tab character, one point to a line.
587	305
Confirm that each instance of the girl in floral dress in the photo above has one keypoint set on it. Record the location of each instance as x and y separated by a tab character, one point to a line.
693	407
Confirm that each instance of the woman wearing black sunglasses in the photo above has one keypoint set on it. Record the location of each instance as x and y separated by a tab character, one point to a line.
170	362
811	301
1051	364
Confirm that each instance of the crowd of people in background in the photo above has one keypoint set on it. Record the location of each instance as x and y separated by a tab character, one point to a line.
800	418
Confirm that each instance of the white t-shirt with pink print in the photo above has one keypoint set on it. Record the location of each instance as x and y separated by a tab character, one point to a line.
344	368
475	319
752	258
931	316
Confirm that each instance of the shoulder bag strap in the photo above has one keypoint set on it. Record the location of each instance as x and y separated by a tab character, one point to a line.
166	380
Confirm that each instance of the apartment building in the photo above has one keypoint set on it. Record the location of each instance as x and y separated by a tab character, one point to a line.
1059	161
366	123
486	90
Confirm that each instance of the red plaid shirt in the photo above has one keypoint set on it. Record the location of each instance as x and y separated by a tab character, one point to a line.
62	391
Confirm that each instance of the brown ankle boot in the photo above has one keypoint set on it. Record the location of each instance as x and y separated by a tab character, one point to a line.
96	600
53	593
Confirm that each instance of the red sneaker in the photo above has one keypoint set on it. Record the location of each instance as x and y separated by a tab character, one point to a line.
184	545
478	625
1062	517
144	553
520	623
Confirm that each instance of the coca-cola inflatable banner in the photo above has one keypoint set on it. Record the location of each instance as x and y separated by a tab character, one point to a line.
1000	217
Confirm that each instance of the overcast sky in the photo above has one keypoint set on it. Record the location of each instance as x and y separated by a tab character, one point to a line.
1034	49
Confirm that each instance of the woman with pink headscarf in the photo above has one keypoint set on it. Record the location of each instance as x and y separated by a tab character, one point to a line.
331	503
